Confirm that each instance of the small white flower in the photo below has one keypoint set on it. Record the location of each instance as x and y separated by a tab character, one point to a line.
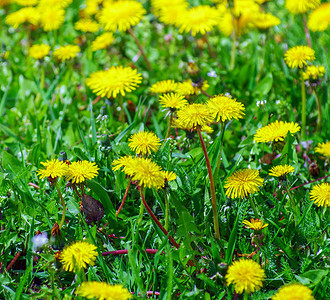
212	74
228	95
39	240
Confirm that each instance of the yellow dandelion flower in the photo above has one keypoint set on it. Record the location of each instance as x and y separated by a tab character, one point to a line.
172	101
78	256
193	115
226	23
200	19
246	275
276	131
27	2
169	176
301	6
87	25
313	72
323	148
54	3
51	18
225	108
242	183
164	86
103	41
187	88
121	162
103	291
144	142
295	291
265	20
319	19
53	168
79	171
116	80
170	14
298	56
148	173
92	7
66	52
121	15
159	5
26	14
255	224
39	51
320	194
279	171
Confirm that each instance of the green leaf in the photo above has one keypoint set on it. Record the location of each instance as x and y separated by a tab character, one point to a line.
264	86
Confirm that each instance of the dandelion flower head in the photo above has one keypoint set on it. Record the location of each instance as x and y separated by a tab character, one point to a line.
279	171
121	15
39	51
323	148
54	3
265	20
187	87
164	86
79	171
169	176
103	291
193	115
27	14
301	6
51	17
114	81
255	224
122	162
103	41
242	183
320	194
294	291
66	52
172	101
246	275
319	19
53	168
159	5
87	25
298	56
200	19
144	142
78	256
27	2
225	108
275	131
170	14
313	72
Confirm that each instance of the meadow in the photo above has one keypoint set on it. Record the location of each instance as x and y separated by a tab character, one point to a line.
164	149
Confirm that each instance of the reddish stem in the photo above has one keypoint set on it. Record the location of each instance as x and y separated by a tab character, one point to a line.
124	199
161	227
13	260
298	186
34	185
125	251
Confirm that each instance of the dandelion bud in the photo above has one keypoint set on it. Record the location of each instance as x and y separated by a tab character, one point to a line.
314	170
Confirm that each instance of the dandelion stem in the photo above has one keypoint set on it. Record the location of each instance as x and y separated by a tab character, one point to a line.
140	47
217	168
293	204
124	199
122	113
233	47
209	47
307	33
246	296
42	76
63	204
213	198
167	215
174	243
254	208
319	108
169	128
303	108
